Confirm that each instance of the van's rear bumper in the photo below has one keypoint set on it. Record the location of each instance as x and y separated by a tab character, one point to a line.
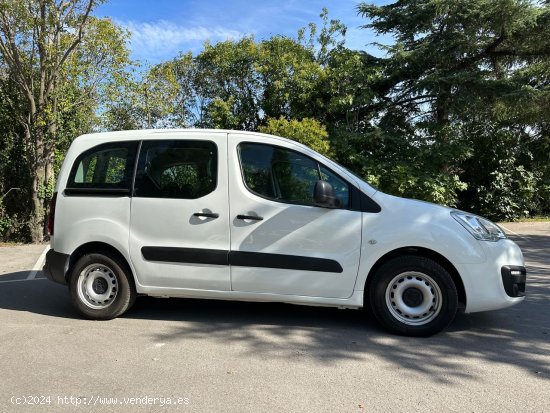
54	267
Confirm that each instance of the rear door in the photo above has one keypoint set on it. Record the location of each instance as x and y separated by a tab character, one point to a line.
179	236
282	243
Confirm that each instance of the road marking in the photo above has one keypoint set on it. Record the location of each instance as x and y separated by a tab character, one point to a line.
38	265
26	279
511	232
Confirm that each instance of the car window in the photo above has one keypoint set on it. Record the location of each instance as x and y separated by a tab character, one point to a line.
105	166
339	186
295	180
176	169
285	175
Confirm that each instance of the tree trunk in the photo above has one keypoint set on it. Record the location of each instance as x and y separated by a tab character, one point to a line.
48	177
43	172
39	185
49	157
36	222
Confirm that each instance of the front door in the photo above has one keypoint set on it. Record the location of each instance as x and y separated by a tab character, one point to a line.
179	235
281	243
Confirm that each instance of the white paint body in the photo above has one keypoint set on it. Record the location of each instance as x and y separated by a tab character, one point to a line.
356	240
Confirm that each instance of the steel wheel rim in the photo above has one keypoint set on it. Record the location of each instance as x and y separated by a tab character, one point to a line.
410	284
97	286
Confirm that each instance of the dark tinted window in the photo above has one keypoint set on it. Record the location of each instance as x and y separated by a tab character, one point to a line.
285	175
339	186
176	169
107	166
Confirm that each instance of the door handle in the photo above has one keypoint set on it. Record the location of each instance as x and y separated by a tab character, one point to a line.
252	217
206	214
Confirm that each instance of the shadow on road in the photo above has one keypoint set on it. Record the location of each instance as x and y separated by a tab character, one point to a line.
518	336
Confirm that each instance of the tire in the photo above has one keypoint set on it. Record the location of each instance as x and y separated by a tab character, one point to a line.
101	287
413	296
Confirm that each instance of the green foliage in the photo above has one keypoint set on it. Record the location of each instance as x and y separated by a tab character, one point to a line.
504	184
53	94
309	132
230	84
470	79
510	194
234	84
220	114
46	191
5	221
290	78
136	101
94	71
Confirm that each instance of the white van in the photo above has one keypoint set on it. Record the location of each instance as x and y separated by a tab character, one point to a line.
246	216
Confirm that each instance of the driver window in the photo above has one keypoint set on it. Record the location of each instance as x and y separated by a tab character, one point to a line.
285	175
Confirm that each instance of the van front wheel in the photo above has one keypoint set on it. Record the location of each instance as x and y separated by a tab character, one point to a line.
100	287
413	296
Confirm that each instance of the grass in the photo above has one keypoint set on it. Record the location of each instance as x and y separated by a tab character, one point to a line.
535	219
539	218
10	244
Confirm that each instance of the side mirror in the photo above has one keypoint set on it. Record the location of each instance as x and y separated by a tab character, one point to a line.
323	195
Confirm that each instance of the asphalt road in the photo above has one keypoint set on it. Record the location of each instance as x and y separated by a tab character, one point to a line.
212	356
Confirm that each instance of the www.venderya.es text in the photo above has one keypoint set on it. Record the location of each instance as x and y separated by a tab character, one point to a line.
95	400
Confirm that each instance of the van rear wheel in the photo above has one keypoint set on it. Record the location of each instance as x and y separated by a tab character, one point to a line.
101	287
413	296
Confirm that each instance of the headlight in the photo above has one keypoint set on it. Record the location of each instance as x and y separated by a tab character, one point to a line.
481	228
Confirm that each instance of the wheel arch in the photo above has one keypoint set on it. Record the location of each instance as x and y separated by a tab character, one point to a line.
422	252
98	247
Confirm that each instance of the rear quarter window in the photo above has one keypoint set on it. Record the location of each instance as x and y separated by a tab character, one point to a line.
106	166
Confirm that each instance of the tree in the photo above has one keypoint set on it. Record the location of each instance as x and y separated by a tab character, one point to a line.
455	78
12	168
230	84
307	131
143	100
36	39
447	53
290	78
56	55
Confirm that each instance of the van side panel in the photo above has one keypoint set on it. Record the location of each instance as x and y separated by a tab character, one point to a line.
81	220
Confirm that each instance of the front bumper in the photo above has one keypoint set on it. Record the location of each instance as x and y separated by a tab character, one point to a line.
54	267
495	283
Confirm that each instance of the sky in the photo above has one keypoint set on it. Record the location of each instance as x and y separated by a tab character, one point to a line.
162	28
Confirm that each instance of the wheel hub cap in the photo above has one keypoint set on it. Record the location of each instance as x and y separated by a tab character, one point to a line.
413	298
97	286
